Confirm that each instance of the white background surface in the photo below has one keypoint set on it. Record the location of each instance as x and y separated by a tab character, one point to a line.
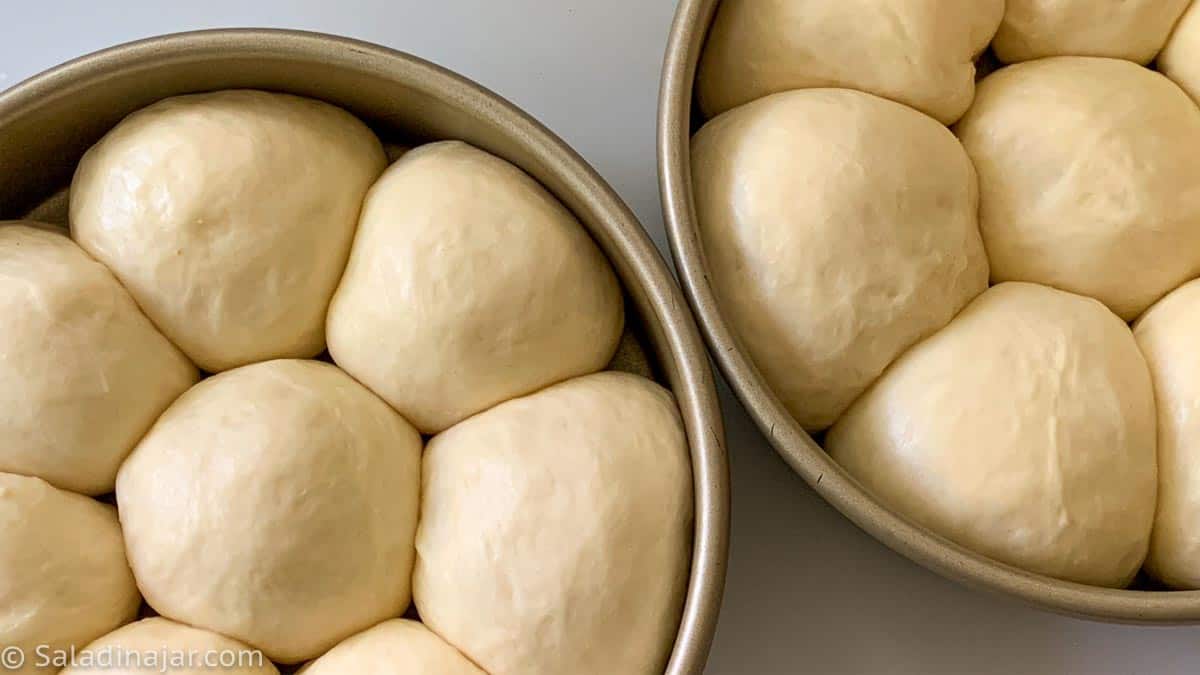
807	592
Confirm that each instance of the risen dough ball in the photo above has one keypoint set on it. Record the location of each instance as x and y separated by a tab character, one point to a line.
1180	59
918	52
1121	29
555	530
83	373
396	647
469	284
63	576
158	645
229	217
1089	178
839	229
1168	334
1023	430
276	504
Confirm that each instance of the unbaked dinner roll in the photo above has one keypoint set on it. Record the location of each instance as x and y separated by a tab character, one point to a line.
396	647
918	52
556	528
840	228
63	576
276	504
1180	58
83	373
158	645
1121	29
1089	178
229	217
1169	335
469	284
1023	430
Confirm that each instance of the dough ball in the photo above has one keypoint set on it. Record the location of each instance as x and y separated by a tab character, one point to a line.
918	52
1168	334
229	217
396	647
1089	178
556	530
1180	59
839	228
469	284
277	504
1023	430
63	576
1120	29
83	373
158	645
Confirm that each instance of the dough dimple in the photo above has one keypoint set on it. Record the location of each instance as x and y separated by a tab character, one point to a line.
277	504
839	229
556	529
1024	430
1089	178
65	580
918	52
83	373
1121	29
228	216
469	284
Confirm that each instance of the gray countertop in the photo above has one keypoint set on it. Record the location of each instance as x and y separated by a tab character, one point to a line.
807	592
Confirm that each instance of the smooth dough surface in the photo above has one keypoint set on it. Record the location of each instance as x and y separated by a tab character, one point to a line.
918	52
229	217
83	373
1168	334
469	284
396	647
277	504
1180	58
1089	178
64	580
1024	430
556	530
158	645
1119	29
839	228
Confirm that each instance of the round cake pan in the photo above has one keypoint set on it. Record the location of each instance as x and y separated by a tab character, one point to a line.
48	121
678	120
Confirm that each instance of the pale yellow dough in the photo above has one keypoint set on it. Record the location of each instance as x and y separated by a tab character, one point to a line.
556	528
158	645
1169	335
83	373
396	647
63	576
1023	430
1180	58
277	504
1089	178
918	52
229	217
1120	29
839	228
469	284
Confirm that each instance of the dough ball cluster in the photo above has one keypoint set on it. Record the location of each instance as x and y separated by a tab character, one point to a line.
272	507
851	240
